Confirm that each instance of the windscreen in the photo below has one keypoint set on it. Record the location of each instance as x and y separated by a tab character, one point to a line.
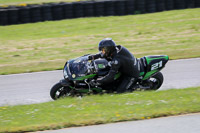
78	67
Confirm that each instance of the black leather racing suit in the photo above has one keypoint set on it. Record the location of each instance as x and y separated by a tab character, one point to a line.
123	61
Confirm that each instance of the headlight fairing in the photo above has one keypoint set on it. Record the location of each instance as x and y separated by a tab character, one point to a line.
65	74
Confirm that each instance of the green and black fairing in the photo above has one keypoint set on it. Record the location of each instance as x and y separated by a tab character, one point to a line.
153	64
80	69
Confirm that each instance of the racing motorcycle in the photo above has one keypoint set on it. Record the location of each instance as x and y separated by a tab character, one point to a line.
80	74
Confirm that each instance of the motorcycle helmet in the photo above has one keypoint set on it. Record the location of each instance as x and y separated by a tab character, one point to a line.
107	46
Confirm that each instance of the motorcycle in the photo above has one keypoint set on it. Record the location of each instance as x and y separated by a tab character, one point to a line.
80	72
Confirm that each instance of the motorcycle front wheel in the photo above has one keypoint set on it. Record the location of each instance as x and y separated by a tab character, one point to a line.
59	91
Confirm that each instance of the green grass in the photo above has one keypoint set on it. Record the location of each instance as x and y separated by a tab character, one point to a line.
47	45
97	109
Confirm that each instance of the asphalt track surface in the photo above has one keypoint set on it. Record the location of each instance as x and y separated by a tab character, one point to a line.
29	88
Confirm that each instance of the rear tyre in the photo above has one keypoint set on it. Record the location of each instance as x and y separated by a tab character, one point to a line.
59	91
156	81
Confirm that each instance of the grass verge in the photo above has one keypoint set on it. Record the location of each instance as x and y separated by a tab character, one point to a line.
98	109
47	45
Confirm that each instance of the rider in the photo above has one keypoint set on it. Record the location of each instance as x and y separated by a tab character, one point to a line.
120	60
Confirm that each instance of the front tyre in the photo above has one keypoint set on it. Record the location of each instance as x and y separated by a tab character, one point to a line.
156	81
58	91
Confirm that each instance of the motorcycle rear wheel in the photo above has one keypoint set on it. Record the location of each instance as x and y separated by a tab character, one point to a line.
59	91
156	81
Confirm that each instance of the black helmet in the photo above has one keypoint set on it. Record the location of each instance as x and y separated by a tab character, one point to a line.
109	45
